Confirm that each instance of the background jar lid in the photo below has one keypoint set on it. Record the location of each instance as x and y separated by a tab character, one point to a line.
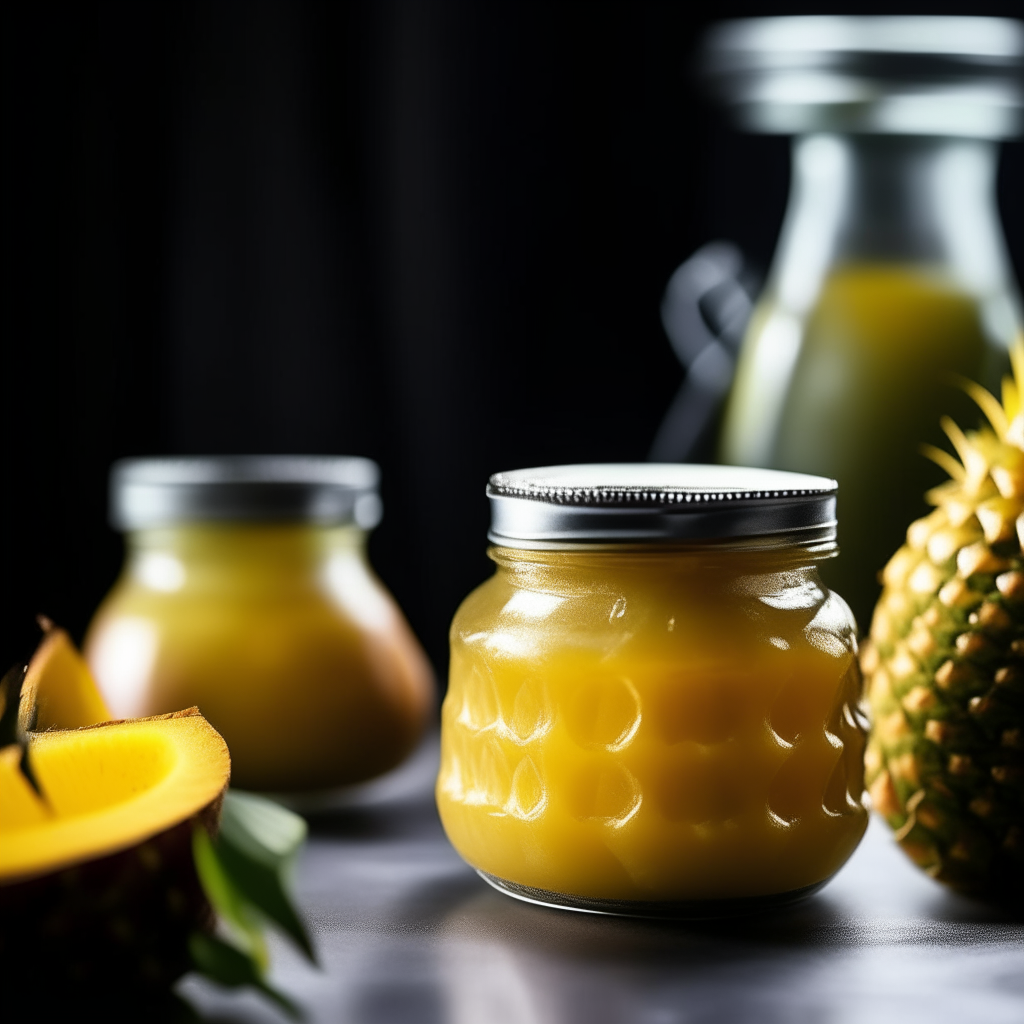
325	490
889	74
650	502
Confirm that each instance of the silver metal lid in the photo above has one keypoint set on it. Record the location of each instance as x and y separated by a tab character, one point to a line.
651	502
325	490
895	74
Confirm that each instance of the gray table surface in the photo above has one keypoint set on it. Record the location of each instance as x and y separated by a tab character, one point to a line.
408	934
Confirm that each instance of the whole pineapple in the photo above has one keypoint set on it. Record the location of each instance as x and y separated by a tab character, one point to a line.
944	666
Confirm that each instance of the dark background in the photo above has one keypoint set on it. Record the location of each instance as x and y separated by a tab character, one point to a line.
431	232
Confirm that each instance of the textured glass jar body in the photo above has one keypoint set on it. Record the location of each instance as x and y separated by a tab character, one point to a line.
284	638
891	277
652	726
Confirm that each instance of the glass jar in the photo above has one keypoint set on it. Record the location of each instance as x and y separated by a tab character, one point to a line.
653	706
246	591
891	276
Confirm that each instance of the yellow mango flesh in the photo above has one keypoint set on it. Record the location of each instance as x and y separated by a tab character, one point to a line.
664	729
105	789
62	687
20	805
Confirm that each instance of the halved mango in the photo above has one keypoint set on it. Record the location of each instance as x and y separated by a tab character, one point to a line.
98	888
105	789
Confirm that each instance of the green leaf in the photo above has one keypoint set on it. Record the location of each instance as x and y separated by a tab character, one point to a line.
17	721
257	845
260	828
10	698
228	966
226	898
243	873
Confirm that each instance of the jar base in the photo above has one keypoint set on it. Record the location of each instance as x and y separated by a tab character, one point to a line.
669	910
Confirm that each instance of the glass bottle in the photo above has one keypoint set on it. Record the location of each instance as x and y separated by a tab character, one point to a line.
246	590
653	703
891	278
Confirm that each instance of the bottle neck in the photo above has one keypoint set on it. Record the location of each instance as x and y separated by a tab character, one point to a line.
922	201
226	555
597	569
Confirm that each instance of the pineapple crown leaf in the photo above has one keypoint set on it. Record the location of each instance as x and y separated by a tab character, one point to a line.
1006	418
974	462
1017	362
1013	393
1011	398
942	495
957	438
1015	435
989	405
944	461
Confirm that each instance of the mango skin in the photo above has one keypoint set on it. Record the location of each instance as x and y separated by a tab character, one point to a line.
114	929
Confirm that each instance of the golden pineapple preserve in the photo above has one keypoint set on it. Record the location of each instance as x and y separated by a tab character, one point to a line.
285	639
247	591
890	284
654	726
879	353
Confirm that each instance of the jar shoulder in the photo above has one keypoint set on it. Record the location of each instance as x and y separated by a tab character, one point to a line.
481	607
344	597
662	618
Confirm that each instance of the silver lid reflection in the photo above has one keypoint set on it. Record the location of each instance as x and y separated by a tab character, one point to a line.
890	74
649	502
325	490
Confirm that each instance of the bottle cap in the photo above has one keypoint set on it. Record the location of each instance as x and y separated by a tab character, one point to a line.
909	75
325	490
629	503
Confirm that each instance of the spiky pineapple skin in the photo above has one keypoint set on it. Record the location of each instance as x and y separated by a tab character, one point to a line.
944	677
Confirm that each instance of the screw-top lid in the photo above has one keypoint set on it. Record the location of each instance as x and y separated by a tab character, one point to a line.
641	503
325	490
890	74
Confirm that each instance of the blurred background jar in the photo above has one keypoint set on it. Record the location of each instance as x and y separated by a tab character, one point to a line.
891	275
246	590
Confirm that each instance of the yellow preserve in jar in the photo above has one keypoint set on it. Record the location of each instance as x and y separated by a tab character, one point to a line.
247	591
654	702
